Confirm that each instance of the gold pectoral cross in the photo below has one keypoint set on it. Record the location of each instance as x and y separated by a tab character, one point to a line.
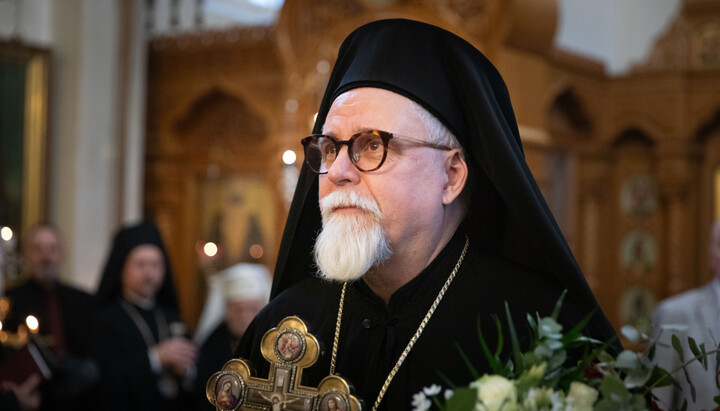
289	348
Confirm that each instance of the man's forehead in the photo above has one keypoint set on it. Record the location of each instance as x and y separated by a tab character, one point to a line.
368	108
43	235
370	93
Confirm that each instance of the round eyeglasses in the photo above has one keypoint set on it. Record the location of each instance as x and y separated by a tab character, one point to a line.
367	149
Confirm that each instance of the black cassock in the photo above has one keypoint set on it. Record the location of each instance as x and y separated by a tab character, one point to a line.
373	334
214	353
29	298
128	382
75	376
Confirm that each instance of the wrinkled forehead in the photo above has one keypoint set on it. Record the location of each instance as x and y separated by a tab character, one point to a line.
369	107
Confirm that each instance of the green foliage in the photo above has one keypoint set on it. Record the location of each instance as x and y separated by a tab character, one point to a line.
462	399
543	376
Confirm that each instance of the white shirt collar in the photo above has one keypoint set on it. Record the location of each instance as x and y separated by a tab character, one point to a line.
142	302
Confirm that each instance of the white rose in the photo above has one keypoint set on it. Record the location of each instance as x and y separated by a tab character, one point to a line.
537	398
581	397
495	393
557	399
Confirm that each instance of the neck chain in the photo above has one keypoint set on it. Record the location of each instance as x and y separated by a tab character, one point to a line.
142	325
414	338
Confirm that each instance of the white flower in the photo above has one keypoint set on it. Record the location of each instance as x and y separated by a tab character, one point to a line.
432	390
495	393
557	399
448	394
420	402
581	397
550	328
537	398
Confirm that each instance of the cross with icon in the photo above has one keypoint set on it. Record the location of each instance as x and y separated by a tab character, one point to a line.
289	349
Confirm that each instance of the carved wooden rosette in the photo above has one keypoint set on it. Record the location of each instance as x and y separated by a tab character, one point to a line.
289	348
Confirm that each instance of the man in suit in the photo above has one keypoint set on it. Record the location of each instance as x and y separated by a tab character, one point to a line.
699	310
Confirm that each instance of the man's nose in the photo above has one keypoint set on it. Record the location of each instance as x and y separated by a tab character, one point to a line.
343	171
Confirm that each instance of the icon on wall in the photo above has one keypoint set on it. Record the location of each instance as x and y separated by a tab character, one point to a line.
638	253
636	308
639	195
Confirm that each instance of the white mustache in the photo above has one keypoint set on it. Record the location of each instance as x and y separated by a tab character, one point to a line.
338	199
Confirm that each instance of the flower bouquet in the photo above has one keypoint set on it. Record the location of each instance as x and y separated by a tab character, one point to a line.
546	377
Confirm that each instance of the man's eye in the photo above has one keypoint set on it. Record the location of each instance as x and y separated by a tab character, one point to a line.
329	149
368	144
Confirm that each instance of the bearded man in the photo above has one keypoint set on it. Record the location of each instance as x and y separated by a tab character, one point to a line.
430	220
63	313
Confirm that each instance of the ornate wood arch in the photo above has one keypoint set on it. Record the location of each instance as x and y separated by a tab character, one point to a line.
568	118
637	120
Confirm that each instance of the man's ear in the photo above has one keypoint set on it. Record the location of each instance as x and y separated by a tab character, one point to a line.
457	173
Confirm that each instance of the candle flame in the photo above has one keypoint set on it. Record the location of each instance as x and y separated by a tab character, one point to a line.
32	323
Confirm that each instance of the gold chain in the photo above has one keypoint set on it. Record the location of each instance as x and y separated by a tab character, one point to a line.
337	330
414	338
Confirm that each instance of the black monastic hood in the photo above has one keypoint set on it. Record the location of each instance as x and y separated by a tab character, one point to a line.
507	213
126	239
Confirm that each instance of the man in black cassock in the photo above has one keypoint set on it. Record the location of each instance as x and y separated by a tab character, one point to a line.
63	314
147	362
415	194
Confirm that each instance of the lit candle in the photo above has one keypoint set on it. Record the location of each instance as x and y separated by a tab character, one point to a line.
210	249
6	233
289	157
32	323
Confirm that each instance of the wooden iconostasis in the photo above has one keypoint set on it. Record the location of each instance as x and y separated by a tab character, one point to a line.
629	165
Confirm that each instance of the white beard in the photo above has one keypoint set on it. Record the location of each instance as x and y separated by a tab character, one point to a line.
349	245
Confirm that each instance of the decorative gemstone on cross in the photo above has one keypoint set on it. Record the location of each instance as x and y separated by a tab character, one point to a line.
289	348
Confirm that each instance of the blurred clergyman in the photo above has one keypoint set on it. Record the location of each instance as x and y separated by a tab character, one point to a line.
245	291
62	312
699	310
147	361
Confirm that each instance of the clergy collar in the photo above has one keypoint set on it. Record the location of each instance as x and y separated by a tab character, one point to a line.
142	302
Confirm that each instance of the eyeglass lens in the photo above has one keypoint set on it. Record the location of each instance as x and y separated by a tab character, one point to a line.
365	149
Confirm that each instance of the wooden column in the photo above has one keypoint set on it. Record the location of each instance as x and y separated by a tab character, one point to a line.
592	187
675	176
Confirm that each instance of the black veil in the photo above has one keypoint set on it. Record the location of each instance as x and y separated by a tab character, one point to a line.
126	239
449	77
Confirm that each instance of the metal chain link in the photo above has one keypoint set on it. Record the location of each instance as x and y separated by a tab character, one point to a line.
337	330
414	338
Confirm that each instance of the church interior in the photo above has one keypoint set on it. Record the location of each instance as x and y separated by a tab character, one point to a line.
143	109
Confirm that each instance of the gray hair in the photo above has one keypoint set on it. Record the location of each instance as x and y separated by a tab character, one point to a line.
436	130
439	134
